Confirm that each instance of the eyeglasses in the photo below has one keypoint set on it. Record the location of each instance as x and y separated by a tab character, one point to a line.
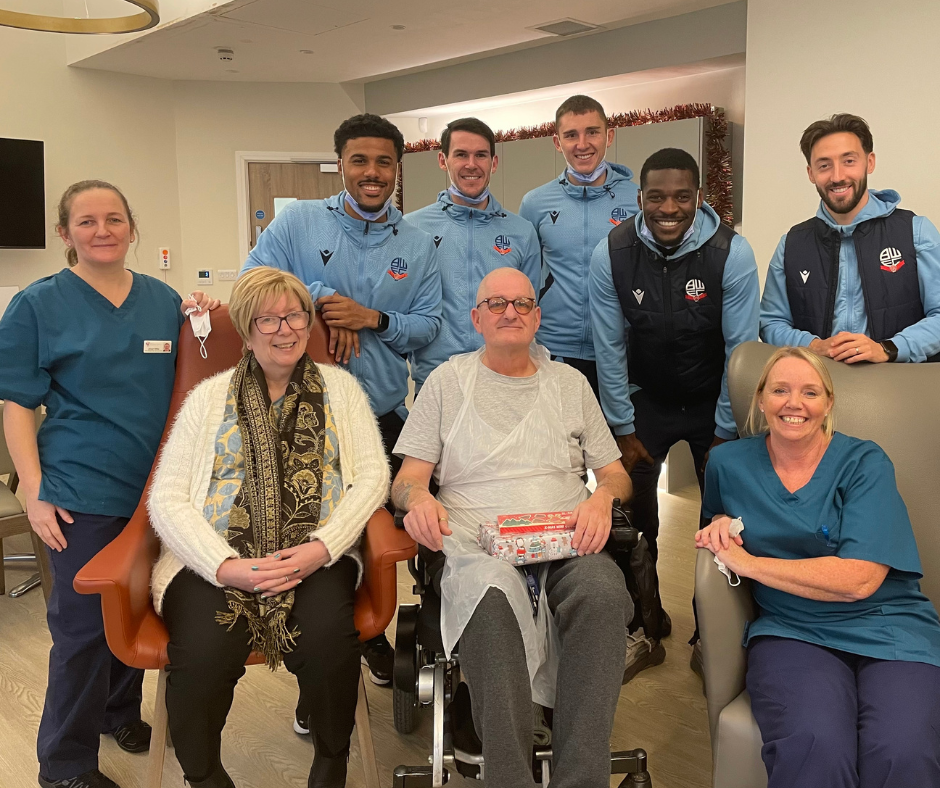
497	305
271	324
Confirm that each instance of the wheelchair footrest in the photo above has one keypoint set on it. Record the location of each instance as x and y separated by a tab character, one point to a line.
415	777
633	764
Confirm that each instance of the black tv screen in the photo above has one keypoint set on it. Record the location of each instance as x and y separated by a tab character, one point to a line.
22	195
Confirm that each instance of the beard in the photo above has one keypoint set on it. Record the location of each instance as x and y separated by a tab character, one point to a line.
850	201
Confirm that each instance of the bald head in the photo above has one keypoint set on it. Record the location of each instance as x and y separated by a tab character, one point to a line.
509	283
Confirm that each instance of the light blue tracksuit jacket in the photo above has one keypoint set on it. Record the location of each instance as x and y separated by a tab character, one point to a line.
470	243
389	266
570	221
740	306
915	343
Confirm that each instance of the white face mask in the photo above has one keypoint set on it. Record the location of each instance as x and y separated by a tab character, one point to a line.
369	216
455	192
201	325
591	176
737	526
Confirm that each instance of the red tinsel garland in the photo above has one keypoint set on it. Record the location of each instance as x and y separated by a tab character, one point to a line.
718	159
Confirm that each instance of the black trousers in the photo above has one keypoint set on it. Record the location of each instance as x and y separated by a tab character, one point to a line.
659	426
207	660
90	691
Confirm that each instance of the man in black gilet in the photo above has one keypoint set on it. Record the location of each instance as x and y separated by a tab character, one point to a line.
673	292
861	280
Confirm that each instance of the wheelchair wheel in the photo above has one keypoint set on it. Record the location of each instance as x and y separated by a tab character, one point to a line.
403	710
405	677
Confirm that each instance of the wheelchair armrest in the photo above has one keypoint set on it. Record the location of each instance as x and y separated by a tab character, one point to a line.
622	539
399	518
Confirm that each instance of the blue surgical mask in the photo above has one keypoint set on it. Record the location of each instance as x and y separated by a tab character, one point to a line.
591	176
455	192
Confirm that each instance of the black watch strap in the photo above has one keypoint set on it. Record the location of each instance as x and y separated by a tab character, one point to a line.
891	349
383	325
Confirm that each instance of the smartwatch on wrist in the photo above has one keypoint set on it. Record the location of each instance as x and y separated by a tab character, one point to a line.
891	349
383	325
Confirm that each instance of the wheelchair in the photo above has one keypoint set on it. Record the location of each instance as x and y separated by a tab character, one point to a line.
423	676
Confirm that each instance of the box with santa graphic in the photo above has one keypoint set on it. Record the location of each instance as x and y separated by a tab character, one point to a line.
528	538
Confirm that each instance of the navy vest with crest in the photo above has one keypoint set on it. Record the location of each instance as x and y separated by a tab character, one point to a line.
887	267
676	345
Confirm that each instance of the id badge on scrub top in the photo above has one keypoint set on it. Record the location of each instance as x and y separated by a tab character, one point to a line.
158	346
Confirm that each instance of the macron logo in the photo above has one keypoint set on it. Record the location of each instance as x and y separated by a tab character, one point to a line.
804	275
638	295
325	255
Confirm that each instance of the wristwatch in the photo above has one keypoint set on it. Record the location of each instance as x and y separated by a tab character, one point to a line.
890	348
383	324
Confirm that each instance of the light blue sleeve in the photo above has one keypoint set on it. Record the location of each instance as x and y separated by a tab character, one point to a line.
776	319
529	212
922	340
740	312
416	328
610	343
275	248
532	260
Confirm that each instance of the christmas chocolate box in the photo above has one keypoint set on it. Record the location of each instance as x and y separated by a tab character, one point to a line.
528	538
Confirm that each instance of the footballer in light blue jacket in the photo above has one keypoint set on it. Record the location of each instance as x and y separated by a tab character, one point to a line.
474	235
373	276
571	215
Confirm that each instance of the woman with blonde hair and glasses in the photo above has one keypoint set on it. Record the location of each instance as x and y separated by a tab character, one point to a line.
264	487
844	658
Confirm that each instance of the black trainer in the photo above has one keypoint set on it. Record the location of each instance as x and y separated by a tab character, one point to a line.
328	772
92	779
134	736
379	655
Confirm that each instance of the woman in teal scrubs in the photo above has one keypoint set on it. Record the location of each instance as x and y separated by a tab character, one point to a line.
96	344
844	659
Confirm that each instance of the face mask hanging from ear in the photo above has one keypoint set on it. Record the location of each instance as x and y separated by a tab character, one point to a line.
455	192
591	176
201	325
369	216
737	526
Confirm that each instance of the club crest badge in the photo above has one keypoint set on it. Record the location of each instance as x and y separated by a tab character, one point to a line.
891	259
695	290
398	269
502	244
618	215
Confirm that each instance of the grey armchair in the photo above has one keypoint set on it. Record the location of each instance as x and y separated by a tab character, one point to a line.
895	405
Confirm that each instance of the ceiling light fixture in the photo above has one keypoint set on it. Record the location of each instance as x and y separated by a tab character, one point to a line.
398	27
148	17
565	27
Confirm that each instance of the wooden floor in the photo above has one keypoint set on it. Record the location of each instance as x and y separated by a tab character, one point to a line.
661	710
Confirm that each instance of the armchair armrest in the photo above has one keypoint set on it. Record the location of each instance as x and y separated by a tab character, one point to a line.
383	547
120	573
723	612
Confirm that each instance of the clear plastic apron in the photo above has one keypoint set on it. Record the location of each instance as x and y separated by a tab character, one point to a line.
477	466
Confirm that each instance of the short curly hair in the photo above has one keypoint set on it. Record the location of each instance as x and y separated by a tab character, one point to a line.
367	125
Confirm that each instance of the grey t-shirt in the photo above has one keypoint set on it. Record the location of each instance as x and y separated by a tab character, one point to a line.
502	402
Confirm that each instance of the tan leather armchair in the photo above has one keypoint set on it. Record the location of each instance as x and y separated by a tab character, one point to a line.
894	405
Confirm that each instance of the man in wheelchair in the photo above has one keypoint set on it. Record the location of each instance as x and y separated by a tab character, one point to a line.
506	430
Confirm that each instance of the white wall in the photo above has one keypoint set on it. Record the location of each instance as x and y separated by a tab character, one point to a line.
95	125
213	121
169	146
807	60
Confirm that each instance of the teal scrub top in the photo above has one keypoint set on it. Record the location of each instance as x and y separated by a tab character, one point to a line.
851	508
105	375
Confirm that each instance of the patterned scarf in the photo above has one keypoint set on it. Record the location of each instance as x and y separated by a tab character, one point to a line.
278	504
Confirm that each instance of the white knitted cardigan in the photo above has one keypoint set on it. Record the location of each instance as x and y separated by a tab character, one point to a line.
181	484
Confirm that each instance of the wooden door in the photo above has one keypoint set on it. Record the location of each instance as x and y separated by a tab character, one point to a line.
272	184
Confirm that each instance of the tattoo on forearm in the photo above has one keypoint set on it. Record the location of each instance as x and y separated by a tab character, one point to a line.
401	493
